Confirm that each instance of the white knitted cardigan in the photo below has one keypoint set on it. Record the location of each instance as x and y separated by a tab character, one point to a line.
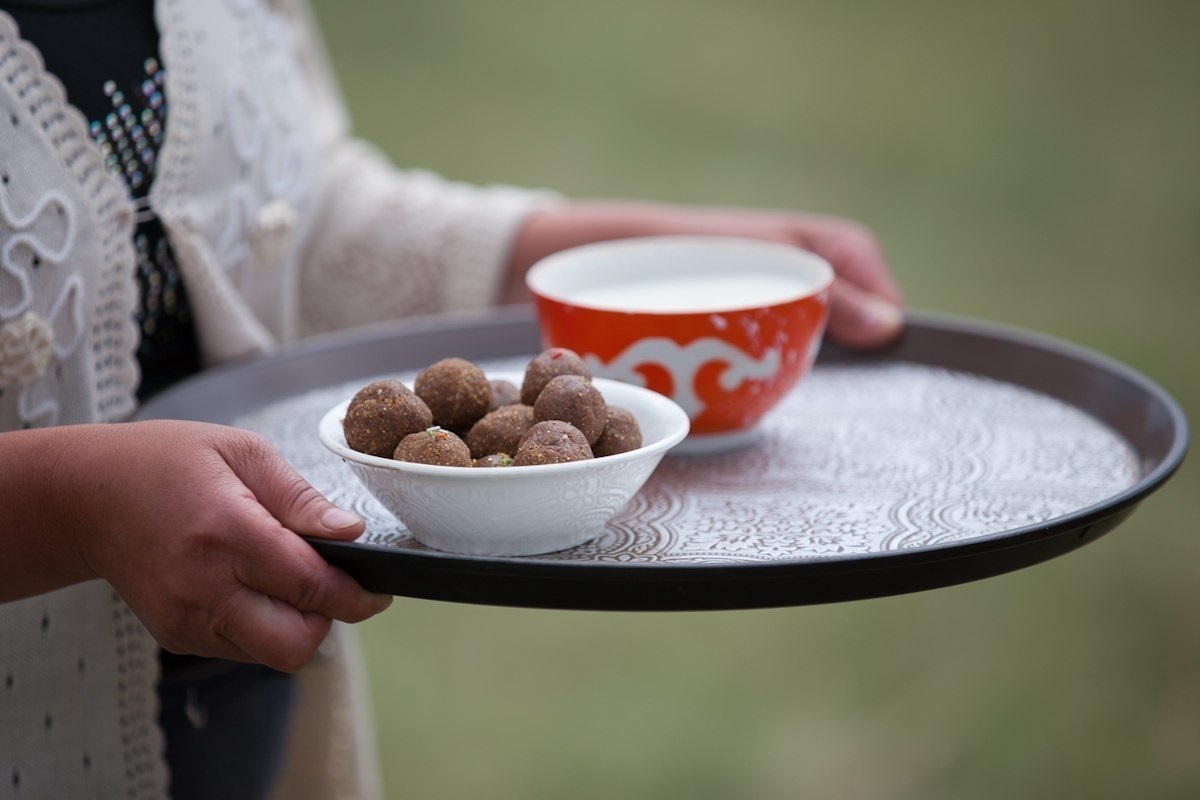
282	226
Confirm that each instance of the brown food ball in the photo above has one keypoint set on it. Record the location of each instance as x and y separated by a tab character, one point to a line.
504	393
621	433
551	442
573	399
500	431
456	391
435	446
495	460
547	365
381	414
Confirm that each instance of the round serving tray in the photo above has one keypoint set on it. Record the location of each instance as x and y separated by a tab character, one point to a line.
965	451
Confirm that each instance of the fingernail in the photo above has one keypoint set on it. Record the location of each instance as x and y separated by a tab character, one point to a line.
383	602
338	519
882	315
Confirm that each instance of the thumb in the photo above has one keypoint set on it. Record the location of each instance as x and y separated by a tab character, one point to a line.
291	499
861	319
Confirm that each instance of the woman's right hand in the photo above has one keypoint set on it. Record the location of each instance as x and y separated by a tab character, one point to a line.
195	525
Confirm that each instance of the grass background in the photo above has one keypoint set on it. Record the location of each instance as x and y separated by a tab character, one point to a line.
1029	162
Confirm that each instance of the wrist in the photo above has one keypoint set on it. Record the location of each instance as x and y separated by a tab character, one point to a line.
41	530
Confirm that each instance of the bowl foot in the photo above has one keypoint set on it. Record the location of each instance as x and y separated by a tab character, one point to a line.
710	444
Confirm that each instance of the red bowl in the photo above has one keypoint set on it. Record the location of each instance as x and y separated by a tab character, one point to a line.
723	326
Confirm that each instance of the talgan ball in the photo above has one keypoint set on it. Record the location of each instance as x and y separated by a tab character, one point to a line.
381	414
621	433
500	431
504	393
551	442
573	399
456	391
435	446
494	460
546	366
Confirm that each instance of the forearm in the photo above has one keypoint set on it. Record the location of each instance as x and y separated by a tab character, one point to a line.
37	541
549	230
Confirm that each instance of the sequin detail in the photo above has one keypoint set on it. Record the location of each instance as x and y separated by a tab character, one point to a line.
130	137
131	134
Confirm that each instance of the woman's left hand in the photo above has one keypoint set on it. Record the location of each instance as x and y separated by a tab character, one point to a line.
868	307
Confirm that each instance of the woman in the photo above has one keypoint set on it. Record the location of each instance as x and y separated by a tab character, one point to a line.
180	188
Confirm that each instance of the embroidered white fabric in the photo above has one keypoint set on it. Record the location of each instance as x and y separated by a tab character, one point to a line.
77	707
65	255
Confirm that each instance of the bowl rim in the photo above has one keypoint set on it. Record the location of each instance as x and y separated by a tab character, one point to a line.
537	275
329	431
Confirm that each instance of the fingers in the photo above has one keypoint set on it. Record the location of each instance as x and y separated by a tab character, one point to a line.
257	629
855	254
286	594
280	604
868	306
268	631
862	320
286	568
281	632
271	600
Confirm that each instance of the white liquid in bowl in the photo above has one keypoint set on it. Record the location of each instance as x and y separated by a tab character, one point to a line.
696	293
679	274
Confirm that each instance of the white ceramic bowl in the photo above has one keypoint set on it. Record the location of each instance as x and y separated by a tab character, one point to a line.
516	511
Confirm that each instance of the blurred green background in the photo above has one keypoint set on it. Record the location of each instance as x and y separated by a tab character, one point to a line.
1034	163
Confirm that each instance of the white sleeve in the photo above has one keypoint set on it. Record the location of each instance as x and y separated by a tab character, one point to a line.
387	242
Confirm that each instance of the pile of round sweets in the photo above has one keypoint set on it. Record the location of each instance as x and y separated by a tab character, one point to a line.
454	416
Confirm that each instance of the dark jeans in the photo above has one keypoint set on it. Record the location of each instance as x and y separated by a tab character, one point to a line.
225	725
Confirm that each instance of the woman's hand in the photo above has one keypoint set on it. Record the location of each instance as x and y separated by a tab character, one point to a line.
867	308
195	525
